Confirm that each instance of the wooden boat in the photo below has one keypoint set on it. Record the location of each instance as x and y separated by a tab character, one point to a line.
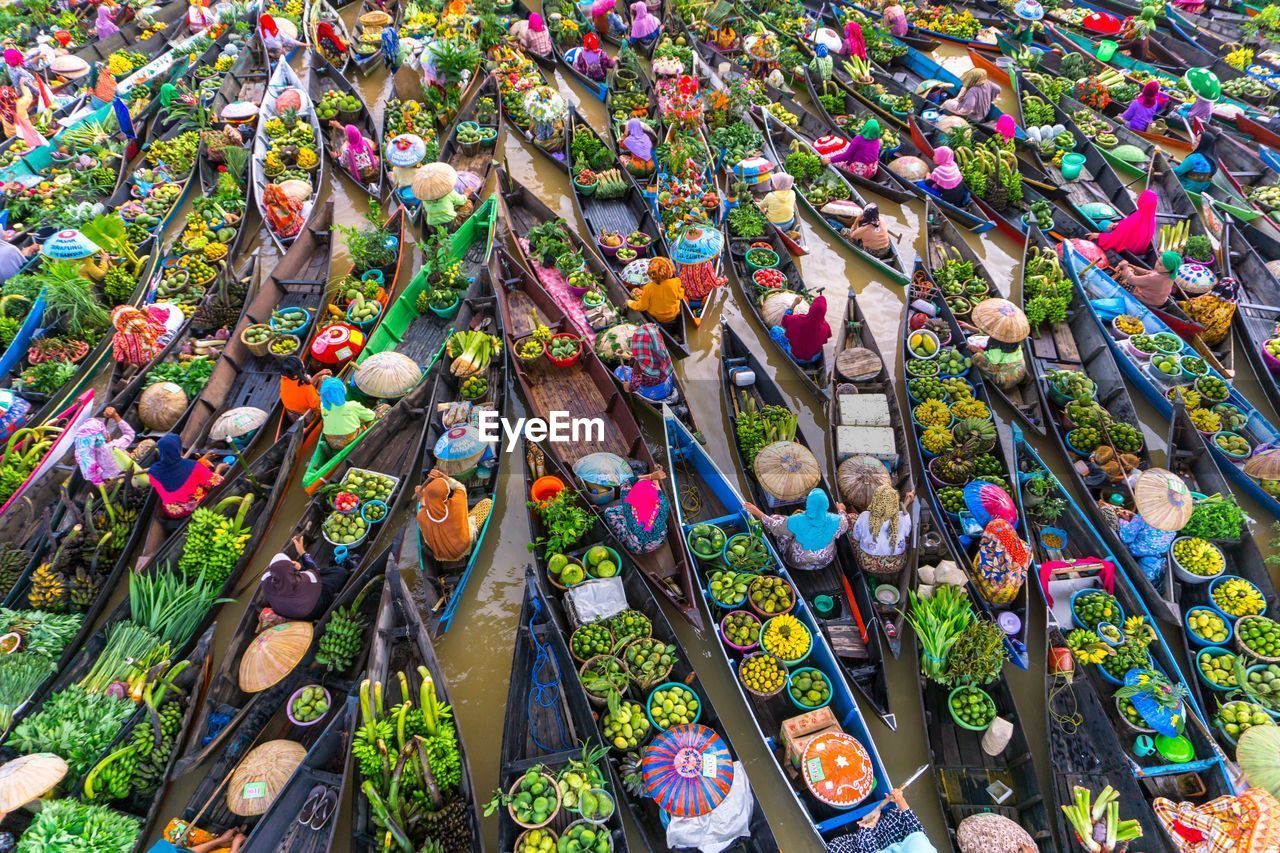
1258	130
403	329
693	469
129	36
1246	252
478	160
990	20
922	289
315	13
812	376
565	50
524	210
442	583
944	243
401	644
1096	284
558	158
851	628
779	141
283	77
547	724
1244	169
1097	747
226	711
299	280
630	85
858	370
585	389
324	79
366	62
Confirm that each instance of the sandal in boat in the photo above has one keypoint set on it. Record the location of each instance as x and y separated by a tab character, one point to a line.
324	810
315	797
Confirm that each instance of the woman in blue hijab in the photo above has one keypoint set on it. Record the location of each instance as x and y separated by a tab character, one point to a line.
343	419
806	540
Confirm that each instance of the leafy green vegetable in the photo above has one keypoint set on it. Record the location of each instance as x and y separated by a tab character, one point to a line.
190	375
1216	517
75	826
74	724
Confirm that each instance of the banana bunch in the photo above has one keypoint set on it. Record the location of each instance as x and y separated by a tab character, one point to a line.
1240	57
48	589
215	541
12	561
84	588
342	639
23	452
1173	238
138	764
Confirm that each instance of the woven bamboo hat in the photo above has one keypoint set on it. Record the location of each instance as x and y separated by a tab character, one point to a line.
1002	320
1264	465
28	778
1162	499
433	181
261	775
273	654
387	375
787	470
238	422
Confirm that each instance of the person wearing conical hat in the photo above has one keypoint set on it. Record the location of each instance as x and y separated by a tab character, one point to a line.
1028	13
435	185
998	350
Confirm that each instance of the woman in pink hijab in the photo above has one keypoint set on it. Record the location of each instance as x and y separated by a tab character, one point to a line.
358	155
945	181
645	26
105	25
639	520
1135	232
1006	127
854	43
535	38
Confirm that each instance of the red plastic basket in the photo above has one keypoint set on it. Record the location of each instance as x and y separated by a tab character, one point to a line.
564	362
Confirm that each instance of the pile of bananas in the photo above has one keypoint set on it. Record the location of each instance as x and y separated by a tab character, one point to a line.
12	562
85	587
223	63
178	153
215	541
48	589
23	452
137	766
342	639
1240	57
308	159
215	251
275	128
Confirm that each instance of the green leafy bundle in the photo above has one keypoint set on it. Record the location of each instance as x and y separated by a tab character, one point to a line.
74	724
72	825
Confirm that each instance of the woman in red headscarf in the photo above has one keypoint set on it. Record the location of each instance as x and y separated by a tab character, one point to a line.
328	40
802	336
137	337
639	520
591	60
277	42
1135	232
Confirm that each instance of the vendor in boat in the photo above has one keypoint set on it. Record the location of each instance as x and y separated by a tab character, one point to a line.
661	297
181	483
855	44
13	259
534	38
1144	108
1163	504
997	348
357	153
637	149
1000	566
779	204
137	337
19	75
1029	13
645	26
1135	35
95	450
803	336
591	60
891	828
894	18
435	186
822	66
343	419
882	532
977	94
105	25
807	539
604	15
1246	823
299	589
199	18
449	529
860	156
639	520
1135	232
277	43
328	40
945	181
725	38
1197	169
299	391
869	232
1152	287
650	373
181	837
1207	88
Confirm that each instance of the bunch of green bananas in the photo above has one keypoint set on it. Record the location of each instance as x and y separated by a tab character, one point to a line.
343	636
139	763
214	541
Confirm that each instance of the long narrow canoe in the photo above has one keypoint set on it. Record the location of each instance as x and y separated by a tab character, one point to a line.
282	78
1248	256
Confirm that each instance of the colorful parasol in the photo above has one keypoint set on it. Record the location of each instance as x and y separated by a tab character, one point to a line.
1162	499
459	449
987	501
837	770
405	150
542	103
697	245
604	469
69	245
635	273
687	770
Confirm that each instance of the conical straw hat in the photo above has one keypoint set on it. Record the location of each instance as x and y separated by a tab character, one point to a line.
261	775
433	181
1264	465
1162	499
28	778
273	654
787	470
237	422
1002	320
387	375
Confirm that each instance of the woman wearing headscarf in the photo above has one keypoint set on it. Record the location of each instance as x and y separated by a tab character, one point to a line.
137	337
13	259
637	149
1144	108
869	232
182	484
604	16
861	155
591	60
888	829
895	18
822	66
1197	169
1000	564
1246	823
535	39
1207	88
1135	232
328	39
977	94
299	589
198	17
277	43
343	419
105	25
882	531
298	390
807	539
449	529
854	42
645	26
661	297
945	181
358	154
650	373
779	204
639	520
19	75
96	451
802	336
1007	128
1152	287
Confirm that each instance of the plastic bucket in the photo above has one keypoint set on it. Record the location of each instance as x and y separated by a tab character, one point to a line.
545	488
1072	165
1106	49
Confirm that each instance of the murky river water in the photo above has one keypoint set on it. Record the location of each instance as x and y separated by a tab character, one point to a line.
477	653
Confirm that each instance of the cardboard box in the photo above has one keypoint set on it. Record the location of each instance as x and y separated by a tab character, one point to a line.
876	442
864	410
796	733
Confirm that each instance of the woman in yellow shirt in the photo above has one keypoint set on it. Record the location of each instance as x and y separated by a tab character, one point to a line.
661	297
779	204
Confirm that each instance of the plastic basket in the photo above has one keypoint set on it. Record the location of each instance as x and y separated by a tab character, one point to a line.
288	708
742	650
564	362
1212	650
801	705
1194	638
670	685
990	703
